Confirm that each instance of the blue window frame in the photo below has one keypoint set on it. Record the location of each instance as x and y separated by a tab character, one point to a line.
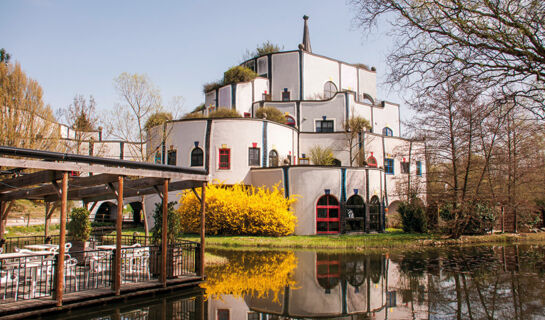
419	168
389	166
387	132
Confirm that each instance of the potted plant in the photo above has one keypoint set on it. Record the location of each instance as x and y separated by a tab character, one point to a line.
79	231
175	229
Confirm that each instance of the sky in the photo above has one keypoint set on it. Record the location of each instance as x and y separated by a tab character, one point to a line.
78	47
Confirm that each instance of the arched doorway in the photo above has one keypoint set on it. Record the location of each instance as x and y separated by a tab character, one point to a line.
106	212
327	215
355	214
374	214
136	211
393	218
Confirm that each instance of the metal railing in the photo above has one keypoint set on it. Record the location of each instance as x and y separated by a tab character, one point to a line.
32	276
20	242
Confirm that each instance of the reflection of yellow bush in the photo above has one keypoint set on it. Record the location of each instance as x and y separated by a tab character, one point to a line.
255	274
239	210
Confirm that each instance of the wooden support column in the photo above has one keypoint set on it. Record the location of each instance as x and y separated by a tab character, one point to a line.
203	217
59	285
118	224
164	234
4	212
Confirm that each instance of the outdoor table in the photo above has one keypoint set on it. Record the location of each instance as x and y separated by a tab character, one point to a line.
15	255
112	247
42	247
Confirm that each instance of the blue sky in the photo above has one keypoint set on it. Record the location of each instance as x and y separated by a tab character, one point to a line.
79	47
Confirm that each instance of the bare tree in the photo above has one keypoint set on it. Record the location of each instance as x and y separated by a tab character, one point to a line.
81	116
499	44
25	121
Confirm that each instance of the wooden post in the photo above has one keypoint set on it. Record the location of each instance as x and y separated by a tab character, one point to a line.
118	224
203	216
2	226
164	234
59	288
46	222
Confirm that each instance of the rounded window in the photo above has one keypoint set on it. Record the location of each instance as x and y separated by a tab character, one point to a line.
330	89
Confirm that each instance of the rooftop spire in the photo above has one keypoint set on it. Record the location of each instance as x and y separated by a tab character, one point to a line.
306	36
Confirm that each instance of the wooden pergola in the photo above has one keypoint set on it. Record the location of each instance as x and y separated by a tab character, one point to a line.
52	180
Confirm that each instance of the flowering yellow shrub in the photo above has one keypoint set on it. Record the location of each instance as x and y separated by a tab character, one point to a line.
239	210
254	274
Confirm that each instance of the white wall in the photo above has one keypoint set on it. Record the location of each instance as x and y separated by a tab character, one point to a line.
285	69
333	109
368	83
349	77
386	117
224	100
316	72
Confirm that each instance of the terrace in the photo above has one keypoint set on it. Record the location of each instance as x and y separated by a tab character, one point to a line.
41	272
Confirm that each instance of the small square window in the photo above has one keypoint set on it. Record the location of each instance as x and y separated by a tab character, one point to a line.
389	166
405	167
225	159
253	156
304	161
324	125
224	314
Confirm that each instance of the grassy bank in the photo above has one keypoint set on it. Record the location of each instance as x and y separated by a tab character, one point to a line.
393	238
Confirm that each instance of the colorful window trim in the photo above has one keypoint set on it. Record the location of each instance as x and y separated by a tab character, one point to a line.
224	159
290	121
372	161
328	215
419	168
254	157
273	158
387	132
405	167
389	166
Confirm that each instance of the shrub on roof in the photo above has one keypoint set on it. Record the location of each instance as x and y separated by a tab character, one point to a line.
271	113
224	113
238	74
239	210
209	86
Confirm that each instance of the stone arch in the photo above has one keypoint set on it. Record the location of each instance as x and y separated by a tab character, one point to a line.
106	212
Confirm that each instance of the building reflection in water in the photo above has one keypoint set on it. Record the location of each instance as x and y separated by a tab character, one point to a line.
489	282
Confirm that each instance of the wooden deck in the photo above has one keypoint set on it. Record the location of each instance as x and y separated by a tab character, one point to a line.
47	306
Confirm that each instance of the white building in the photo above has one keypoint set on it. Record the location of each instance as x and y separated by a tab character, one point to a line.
317	94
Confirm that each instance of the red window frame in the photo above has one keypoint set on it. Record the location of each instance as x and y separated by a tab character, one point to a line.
224	165
328	219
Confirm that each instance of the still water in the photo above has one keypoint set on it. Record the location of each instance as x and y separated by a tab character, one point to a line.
492	282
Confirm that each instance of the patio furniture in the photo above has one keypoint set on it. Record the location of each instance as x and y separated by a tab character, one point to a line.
7	279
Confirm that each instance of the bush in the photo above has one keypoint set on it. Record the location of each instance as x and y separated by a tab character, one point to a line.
413	217
238	74
79	227
239	210
174	223
224	113
209	86
156	119
473	218
271	113
322	156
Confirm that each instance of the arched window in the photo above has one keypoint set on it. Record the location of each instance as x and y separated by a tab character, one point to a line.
368	99
387	132
372	161
290	121
197	157
330	89
273	158
327	215
374	214
355	213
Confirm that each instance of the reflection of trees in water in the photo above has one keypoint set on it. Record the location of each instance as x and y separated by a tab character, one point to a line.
477	282
257	274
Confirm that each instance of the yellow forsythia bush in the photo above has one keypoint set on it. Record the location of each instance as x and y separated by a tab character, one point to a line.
254	274
239	210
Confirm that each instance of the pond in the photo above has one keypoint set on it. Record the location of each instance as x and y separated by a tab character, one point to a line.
477	282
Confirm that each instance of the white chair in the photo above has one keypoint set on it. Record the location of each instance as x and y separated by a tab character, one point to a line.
70	270
6	279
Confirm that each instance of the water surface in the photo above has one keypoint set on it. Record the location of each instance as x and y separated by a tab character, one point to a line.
478	282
